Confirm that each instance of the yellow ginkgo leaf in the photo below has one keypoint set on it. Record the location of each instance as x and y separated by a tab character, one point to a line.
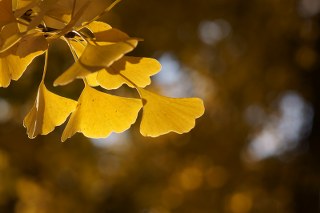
75	71
44	6
133	71
77	46
94	9
108	45
59	15
98	27
92	79
13	66
162	115
9	36
95	57
98	114
6	14
105	34
49	110
31	43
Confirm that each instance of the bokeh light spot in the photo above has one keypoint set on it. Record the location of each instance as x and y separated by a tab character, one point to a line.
5	113
211	32
240	203
282	132
191	178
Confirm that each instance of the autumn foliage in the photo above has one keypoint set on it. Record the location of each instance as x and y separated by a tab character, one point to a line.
30	27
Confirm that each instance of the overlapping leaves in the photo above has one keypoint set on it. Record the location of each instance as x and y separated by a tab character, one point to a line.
29	27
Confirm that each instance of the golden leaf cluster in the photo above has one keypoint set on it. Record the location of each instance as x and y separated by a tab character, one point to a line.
28	29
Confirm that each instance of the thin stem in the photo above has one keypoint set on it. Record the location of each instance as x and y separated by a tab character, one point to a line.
81	36
80	42
45	66
74	54
75	57
21	22
112	5
44	25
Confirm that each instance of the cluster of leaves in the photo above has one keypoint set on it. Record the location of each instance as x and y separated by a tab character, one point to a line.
29	27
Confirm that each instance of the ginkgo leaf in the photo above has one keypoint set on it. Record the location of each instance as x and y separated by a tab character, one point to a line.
77	46
98	114
95	57
75	71
60	14
104	33
133	71
162	115
6	12
94	9
9	36
13	66
44	6
98	27
92	79
49	110
31	43
109	45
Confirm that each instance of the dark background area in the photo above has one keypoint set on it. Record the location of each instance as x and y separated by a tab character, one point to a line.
256	149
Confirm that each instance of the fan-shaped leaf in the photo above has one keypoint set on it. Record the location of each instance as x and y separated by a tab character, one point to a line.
99	53
75	71
133	71
13	66
48	111
98	114
162	114
31	43
9	36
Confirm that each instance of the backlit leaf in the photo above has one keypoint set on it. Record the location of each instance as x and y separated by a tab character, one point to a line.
92	79
12	66
77	46
104	33
45	6
9	36
133	71
162	115
97	57
94	9
49	110
31	43
75	71
99	53
98	114
109	45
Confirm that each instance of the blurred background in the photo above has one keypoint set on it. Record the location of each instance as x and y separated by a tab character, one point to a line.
257	148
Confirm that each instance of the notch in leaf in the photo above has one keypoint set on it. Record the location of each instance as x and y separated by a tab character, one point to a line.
49	110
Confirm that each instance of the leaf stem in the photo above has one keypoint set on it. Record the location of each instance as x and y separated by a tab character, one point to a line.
74	54
21	22
45	66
